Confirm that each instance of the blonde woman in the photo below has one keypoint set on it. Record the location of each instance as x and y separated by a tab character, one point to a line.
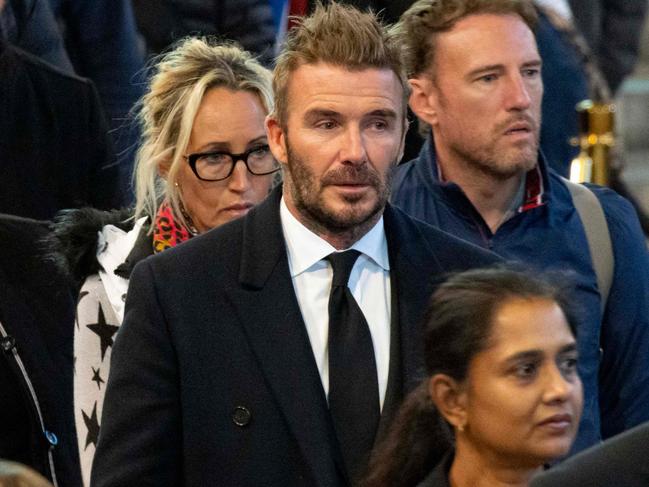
204	160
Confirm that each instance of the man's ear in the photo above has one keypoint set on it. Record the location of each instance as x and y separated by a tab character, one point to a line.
449	398
276	139
424	99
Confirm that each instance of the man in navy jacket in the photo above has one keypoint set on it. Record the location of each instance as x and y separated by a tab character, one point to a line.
480	176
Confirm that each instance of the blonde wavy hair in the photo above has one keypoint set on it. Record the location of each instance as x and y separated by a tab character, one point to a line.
167	111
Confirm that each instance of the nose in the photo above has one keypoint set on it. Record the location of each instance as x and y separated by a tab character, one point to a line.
557	387
518	93
239	180
353	146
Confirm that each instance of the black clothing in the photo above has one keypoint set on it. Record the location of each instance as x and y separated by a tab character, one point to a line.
73	242
36	363
354	405
249	22
55	150
620	461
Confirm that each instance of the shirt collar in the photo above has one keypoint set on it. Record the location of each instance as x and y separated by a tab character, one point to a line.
305	248
534	190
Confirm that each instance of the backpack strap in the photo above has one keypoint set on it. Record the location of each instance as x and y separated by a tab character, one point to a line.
597	234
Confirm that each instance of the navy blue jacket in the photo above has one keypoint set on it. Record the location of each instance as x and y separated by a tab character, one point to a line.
551	236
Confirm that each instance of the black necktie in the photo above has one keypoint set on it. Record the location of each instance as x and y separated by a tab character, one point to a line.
353	388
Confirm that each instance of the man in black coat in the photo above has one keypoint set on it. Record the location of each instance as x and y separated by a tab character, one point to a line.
620	461
36	363
227	364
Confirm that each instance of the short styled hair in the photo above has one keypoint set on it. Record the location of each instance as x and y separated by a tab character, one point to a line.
167	111
419	25
339	35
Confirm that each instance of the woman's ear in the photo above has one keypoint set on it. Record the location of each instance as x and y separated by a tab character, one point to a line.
449	398
163	167
423	99
276	139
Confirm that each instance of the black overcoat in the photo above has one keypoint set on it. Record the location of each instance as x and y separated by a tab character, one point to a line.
213	380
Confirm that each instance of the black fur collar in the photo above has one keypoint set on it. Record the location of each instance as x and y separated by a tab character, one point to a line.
72	242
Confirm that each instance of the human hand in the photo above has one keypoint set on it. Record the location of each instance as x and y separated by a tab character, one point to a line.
14	474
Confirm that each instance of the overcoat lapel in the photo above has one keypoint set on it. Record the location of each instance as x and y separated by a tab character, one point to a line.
414	273
275	328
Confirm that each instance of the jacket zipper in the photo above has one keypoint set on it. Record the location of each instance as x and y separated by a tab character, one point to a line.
32	393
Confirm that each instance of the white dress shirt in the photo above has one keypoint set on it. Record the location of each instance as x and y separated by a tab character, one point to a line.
369	283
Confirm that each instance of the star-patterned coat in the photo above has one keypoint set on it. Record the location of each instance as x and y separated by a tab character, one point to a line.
96	326
99	250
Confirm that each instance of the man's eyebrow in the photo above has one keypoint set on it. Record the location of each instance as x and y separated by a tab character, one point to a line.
316	113
536	63
571	347
383	112
484	69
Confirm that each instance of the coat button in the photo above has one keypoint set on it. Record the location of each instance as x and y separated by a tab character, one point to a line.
7	343
241	416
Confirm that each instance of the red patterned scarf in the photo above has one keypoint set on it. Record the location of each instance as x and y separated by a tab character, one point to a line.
167	230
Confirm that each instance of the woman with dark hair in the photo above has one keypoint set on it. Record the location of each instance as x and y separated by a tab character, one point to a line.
502	396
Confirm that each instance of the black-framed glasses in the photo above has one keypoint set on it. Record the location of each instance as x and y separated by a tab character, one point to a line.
217	166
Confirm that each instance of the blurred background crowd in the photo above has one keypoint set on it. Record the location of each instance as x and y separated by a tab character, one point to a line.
103	105
591	50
